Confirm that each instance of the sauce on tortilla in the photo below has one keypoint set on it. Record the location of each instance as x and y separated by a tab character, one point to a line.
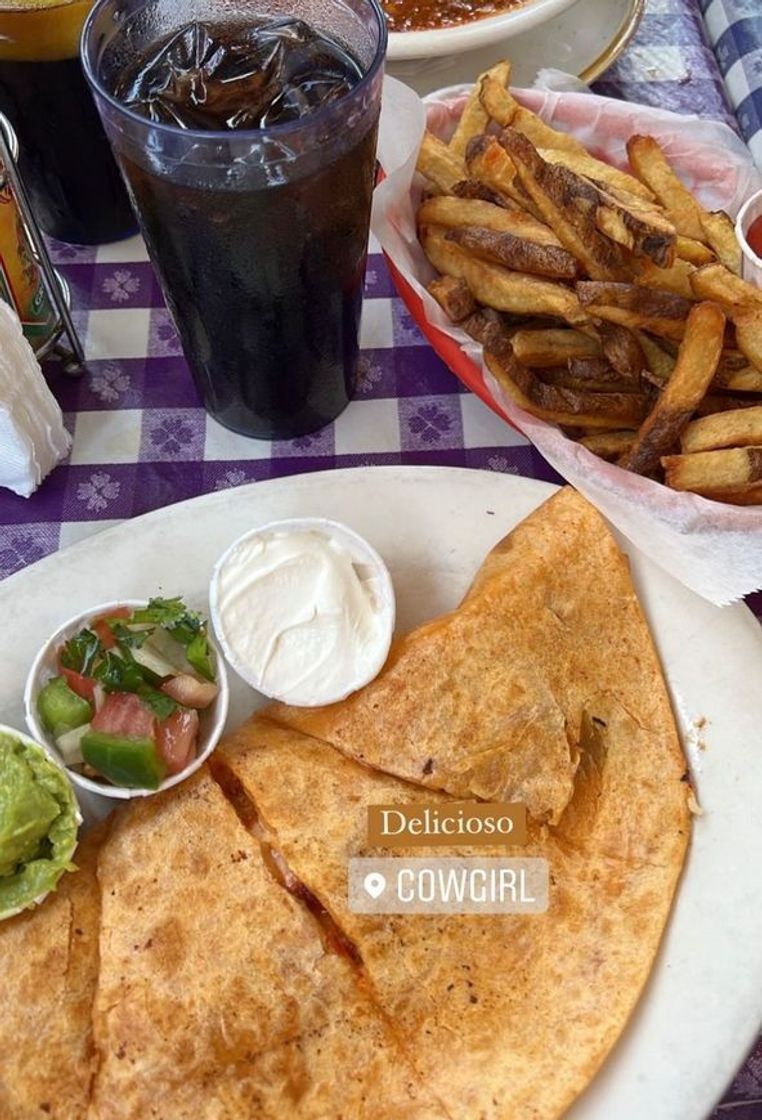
428	15
334	938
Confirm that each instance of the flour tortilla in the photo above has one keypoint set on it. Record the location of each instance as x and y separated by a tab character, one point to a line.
49	968
216	996
503	1016
489	701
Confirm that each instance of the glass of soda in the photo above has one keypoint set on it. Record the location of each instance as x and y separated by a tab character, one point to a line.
247	135
76	190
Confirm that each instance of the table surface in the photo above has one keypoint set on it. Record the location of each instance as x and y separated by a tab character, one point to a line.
142	441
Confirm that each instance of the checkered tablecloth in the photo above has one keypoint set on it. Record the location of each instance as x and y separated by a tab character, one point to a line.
141	440
735	31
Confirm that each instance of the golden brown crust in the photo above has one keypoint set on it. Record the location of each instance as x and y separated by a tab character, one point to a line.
491	992
49	970
516	252
509	673
216	991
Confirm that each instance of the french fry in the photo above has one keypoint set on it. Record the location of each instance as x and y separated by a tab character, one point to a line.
718	283
516	253
453	296
675	279
542	135
741	428
488	161
710	472
601	173
456	212
659	361
560	406
693	251
646	301
472	188
745	380
749	495
488	327
672	329
651	166
720	232
662	313
498	102
611	408
623	351
697	362
497	287
474	118
748	324
503	108
649	237
723	402
568	205
609	445
593	374
437	163
571	408
546	348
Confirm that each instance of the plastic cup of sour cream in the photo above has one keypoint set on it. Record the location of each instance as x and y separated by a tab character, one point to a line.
303	609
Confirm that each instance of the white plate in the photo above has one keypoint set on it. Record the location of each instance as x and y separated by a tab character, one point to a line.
433	526
584	40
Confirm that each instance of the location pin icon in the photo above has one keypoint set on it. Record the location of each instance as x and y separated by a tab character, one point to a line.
374	884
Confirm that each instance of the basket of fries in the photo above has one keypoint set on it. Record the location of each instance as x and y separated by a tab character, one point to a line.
574	261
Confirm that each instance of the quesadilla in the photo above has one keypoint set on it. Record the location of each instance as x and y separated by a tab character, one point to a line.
505	1016
488	701
217	994
49	969
212	967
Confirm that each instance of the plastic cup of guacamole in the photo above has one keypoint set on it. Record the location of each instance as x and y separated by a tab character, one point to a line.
39	819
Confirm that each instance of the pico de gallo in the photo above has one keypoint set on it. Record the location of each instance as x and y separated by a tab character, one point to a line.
124	705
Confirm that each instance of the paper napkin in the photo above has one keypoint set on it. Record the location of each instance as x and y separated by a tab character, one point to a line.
32	433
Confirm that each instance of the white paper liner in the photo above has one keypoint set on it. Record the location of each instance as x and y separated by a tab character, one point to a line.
713	548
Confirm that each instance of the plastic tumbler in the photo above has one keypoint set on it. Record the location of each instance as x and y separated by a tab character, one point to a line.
74	184
258	234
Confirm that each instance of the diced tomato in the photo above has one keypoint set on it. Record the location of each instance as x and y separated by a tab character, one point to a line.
83	686
189	691
177	739
103	631
124	713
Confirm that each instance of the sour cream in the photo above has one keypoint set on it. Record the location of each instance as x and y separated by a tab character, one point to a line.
304	610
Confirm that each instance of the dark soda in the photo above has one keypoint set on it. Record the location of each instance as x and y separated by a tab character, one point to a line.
76	190
265	285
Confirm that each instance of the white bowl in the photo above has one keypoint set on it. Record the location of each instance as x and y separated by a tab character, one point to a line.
477	33
45	667
53	758
747	215
361	552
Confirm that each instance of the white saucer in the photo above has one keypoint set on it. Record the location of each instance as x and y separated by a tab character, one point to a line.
584	40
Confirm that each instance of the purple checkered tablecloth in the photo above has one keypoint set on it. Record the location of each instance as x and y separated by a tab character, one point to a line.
141	440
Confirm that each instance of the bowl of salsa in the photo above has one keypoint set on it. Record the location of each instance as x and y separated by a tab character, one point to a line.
130	696
431	28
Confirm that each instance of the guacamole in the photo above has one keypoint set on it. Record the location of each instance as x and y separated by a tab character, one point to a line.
38	824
